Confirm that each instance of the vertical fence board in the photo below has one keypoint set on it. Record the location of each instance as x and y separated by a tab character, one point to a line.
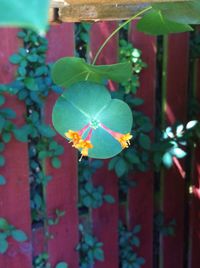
62	189
105	218
14	196
141	197
176	105
195	200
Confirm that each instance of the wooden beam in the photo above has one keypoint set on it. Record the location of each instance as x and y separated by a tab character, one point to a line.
99	10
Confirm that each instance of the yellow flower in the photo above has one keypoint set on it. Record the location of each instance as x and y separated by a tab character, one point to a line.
84	145
124	140
74	137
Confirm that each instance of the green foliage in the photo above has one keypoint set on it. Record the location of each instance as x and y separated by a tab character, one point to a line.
76	109
89	248
2	180
172	142
41	261
128	244
56	218
165	18
89	195
163	228
62	265
155	23
33	14
67	71
7	230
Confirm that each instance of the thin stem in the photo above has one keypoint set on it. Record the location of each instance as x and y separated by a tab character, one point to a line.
116	30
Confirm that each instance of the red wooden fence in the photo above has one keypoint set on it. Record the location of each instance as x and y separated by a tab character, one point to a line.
62	191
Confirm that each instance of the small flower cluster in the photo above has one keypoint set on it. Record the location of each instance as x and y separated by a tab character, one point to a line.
76	138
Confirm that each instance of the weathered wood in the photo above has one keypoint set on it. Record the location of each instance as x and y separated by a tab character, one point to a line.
174	180
14	196
140	198
105	218
100	10
62	189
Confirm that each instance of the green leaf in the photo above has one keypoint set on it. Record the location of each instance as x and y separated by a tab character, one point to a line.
9	113
3	246
21	134
121	167
191	124
32	14
167	160
187	12
19	235
178	152
99	254
3	224
85	103
155	23
56	163
46	130
144	141
68	71
31	84
15	58
2	99
2	123
109	199
62	265
2	180
6	137
2	161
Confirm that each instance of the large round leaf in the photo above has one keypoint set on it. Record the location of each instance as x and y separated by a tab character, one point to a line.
86	102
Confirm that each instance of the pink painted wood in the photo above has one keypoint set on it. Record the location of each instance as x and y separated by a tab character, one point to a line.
14	196
62	190
141	197
176	105
195	200
105	218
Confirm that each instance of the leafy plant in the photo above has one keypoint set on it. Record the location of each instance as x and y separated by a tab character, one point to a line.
7	230
128	242
90	249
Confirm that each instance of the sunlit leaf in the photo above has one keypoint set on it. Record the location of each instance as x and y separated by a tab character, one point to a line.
191	124
187	12
68	71
31	14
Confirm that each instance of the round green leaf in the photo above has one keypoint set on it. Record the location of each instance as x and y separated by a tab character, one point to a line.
70	70
56	163
62	265
2	161
2	180
19	235
155	23
86	102
3	246
3	224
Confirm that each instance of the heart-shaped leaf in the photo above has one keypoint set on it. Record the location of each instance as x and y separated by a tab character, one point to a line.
90	104
155	23
182	12
69	70
22	13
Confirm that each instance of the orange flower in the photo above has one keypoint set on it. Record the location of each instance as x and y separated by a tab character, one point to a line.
74	137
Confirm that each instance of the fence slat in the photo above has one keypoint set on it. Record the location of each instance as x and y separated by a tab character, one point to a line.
141	197
195	200
105	218
14	196
176	107
62	189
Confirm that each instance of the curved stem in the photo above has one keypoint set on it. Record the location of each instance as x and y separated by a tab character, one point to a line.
116	30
